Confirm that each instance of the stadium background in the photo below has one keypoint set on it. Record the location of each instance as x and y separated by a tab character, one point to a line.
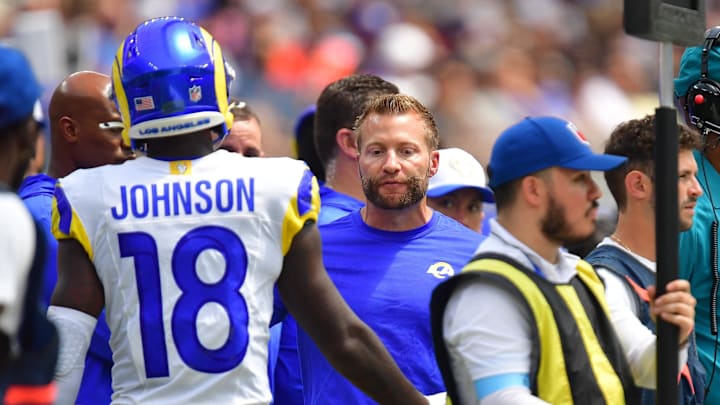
479	65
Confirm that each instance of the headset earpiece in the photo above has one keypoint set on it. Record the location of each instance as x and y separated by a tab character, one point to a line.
702	101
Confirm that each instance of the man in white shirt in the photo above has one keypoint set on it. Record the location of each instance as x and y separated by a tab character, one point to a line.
28	342
626	259
526	322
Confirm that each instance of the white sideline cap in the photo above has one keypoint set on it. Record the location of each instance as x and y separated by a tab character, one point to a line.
458	169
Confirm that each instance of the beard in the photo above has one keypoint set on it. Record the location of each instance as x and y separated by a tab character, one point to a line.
417	188
555	227
682	224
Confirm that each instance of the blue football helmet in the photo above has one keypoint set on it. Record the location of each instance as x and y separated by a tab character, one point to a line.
169	78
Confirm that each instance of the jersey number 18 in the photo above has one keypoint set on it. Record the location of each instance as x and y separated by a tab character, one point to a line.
194	294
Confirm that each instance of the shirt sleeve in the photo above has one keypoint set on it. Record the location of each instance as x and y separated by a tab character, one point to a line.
511	396
305	206
488	340
617	291
17	251
637	341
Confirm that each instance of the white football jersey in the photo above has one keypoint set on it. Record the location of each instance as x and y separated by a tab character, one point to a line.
188	253
17	252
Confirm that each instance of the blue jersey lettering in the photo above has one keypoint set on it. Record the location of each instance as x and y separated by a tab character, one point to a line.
185	198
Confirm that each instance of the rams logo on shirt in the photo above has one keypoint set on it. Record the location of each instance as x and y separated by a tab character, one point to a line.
441	270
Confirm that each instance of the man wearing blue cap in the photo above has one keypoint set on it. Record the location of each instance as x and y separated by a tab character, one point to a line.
549	336
698	98
28	341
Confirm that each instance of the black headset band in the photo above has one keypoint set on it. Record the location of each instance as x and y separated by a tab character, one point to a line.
711	36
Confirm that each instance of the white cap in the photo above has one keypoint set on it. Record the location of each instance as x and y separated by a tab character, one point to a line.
458	169
38	113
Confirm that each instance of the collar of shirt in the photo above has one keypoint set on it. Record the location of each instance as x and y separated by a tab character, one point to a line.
645	262
503	242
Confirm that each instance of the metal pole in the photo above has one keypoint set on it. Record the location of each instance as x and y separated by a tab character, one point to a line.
667	74
666	220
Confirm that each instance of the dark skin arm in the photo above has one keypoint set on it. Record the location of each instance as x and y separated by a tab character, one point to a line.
348	343
78	285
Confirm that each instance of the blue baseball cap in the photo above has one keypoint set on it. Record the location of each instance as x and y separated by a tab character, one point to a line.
538	143
19	90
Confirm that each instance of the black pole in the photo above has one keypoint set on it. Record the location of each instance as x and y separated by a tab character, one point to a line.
679	22
666	242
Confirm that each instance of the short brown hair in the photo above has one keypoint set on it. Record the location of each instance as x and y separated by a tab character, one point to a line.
635	139
396	104
339	105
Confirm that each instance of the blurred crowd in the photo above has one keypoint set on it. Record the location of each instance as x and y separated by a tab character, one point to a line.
479	65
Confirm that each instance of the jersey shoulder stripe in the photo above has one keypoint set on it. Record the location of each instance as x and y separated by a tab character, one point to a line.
65	222
303	207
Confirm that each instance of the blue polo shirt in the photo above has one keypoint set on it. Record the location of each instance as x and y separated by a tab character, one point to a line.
387	278
287	384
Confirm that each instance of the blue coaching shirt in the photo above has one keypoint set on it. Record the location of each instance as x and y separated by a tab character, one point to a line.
387	278
96	387
335	205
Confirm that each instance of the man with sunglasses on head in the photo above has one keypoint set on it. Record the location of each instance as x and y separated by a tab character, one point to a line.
245	136
86	132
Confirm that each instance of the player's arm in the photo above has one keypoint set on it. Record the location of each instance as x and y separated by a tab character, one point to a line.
78	286
75	305
347	342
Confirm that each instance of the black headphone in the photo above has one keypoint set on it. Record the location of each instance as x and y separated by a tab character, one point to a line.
702	101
